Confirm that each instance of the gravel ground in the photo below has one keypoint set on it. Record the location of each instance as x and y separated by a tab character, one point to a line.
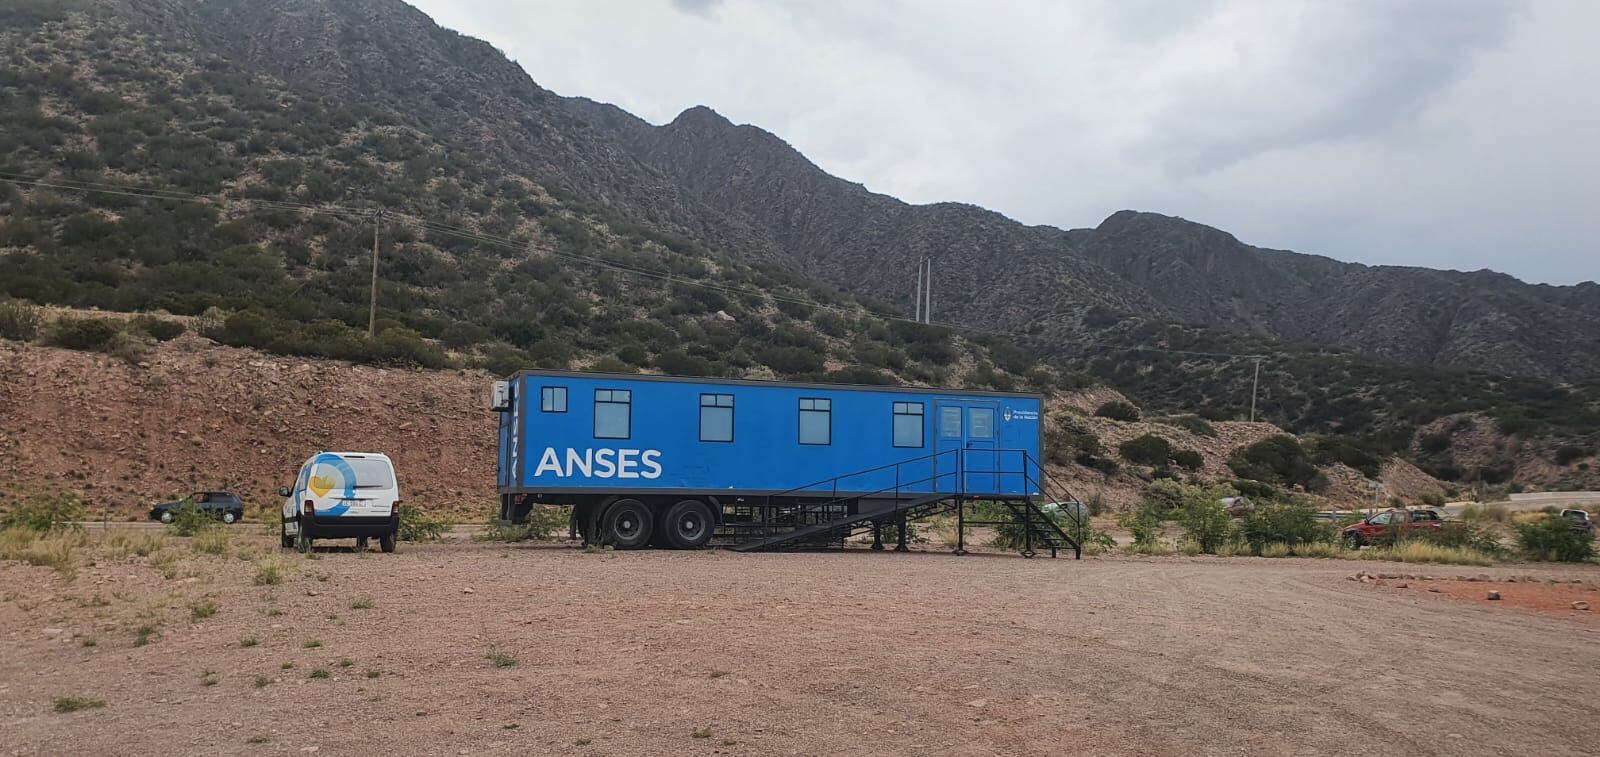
714	652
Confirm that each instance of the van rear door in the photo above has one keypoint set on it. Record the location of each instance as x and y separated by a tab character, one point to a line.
352	485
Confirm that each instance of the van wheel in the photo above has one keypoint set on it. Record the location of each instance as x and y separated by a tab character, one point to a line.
228	518
627	524
361	543
284	539
302	540
688	524
386	542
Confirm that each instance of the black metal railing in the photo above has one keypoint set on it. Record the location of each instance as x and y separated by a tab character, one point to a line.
786	512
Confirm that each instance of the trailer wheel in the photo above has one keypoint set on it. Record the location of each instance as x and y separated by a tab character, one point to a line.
627	524
688	524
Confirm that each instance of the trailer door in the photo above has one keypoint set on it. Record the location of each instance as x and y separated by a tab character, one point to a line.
967	443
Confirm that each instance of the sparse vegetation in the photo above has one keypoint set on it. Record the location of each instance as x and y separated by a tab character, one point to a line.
201	610
541	523
320	673
419	526
362	604
311	644
502	659
701	733
1418	551
269	572
45	512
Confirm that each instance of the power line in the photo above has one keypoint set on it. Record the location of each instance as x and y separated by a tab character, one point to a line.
505	242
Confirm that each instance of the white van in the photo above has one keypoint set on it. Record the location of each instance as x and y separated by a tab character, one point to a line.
342	495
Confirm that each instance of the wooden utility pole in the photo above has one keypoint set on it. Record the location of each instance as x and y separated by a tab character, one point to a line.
372	313
1254	382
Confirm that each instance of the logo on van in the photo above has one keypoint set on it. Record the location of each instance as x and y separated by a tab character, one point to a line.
600	463
320	485
1022	415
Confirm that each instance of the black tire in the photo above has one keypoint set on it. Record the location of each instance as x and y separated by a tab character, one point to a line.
1353	540
687	525
302	540
386	542
627	524
284	539
362	542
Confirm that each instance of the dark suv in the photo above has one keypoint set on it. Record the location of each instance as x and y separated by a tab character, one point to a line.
225	506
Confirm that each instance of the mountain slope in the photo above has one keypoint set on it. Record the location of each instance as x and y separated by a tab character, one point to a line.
997	273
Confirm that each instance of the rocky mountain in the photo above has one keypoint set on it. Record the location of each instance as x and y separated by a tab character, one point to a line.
997	273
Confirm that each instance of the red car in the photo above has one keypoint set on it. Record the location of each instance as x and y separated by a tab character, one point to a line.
1380	527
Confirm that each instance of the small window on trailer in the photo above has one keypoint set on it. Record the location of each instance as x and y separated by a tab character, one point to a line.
908	424
613	413
716	417
816	420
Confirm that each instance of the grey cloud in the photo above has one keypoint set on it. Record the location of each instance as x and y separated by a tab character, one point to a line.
696	7
1371	68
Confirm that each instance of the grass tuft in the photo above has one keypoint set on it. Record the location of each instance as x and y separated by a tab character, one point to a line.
362	604
202	610
269	573
54	550
312	644
320	673
249	641
701	733
212	540
502	659
74	704
262	681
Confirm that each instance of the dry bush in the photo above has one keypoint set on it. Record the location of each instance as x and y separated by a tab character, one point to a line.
211	541
1426	552
1492	512
119	545
50	549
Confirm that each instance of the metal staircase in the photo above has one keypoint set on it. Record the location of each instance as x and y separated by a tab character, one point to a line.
825	514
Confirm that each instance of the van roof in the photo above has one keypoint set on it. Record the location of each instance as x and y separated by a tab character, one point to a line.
378	455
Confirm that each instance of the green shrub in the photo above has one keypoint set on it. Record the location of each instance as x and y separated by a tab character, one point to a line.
540	524
1278	460
1290	525
1118	410
1188	459
188	519
1554	539
84	333
19	321
1148	449
46	512
159	329
416	525
1205	521
1146	530
1194	424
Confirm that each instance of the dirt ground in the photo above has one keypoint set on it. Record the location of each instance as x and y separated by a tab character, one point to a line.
723	653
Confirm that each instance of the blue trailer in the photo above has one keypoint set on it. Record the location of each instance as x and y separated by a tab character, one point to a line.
675	462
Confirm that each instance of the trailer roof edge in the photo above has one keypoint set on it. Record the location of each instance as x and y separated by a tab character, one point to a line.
772	382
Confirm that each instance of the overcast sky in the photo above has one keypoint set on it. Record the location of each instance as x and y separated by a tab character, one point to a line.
1445	133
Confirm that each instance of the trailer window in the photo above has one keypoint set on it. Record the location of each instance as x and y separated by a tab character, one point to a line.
950	422
716	417
553	399
908	424
613	411
816	421
980	422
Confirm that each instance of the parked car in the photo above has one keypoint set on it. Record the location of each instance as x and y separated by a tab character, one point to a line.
1392	522
1579	519
225	506
342	495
